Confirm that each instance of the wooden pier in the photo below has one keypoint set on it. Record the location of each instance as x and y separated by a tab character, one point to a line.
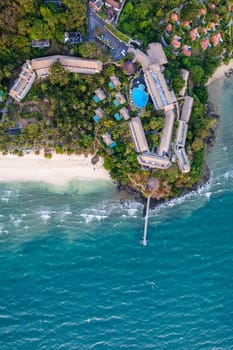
144	239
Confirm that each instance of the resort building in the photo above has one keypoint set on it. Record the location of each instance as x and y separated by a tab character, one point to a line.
165	142
182	159
120	98
205	43
163	99
187	50
40	44
157	88
194	34
174	17
138	135
153	160
100	94
40	67
217	39
176	41
185	76
72	64
124	113
181	133
99	113
107	138
179	148
187	109
72	38
169	28
114	79
156	54
24	83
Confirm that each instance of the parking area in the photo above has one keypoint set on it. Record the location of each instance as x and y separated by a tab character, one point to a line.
117	48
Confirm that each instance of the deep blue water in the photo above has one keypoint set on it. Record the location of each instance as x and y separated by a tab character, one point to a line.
74	276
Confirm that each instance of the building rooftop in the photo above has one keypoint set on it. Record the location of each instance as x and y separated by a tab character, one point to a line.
187	50
125	113
157	88
41	44
100	94
156	54
187	109
153	160
176	41
194	34
205	43
165	142
138	135
99	112
107	138
169	27
115	80
185	76
216	39
202	12
174	17
73	37
71	63
120	98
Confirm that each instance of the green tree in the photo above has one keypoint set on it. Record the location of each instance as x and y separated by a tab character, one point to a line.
58	75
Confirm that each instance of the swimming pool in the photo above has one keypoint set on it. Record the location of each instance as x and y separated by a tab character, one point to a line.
140	97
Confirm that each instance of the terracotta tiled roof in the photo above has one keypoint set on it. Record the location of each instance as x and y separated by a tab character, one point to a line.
194	34
202	12
174	16
186	24
205	43
176	41
213	6
169	27
216	39
204	29
213	25
186	50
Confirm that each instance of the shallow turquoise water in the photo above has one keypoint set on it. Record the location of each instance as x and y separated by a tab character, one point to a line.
74	276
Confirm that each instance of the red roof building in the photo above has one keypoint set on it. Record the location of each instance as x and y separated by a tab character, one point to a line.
213	26
174	17
169	27
204	30
202	12
176	41
217	39
187	50
213	6
187	24
194	34
205	43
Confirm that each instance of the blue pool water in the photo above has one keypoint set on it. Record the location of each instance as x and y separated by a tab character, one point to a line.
140	97
74	276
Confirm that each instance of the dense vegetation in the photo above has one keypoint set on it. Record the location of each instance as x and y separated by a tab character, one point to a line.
24	20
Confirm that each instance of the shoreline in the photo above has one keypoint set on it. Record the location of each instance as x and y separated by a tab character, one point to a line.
220	73
59	170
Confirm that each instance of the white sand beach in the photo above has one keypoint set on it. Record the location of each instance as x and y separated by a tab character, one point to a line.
220	72
58	170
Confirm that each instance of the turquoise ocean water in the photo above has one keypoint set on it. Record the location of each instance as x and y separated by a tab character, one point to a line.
74	276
